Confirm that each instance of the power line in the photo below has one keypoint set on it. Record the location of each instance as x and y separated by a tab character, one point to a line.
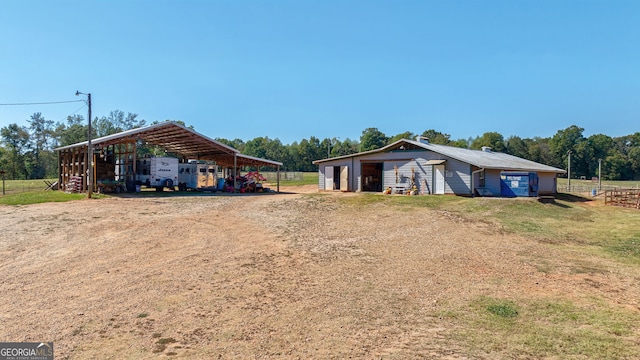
80	108
43	103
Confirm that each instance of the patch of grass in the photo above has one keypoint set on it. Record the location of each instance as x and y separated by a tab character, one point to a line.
568	222
548	328
308	178
612	229
503	309
142	315
28	198
12	187
367	199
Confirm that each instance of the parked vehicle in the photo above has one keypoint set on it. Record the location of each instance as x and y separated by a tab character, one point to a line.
158	172
197	175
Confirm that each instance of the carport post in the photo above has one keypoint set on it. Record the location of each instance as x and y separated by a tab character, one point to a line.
278	178
235	170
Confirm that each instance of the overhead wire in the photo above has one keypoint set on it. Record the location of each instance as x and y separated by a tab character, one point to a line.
50	103
41	103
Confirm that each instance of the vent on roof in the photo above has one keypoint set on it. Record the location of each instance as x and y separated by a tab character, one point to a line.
422	139
486	149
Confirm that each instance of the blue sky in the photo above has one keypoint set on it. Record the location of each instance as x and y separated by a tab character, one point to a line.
295	69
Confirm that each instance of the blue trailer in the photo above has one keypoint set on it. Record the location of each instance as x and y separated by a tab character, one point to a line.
518	184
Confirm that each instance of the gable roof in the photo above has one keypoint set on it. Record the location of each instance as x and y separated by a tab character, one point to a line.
181	140
478	158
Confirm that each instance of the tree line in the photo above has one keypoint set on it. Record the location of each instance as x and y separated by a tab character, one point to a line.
26	152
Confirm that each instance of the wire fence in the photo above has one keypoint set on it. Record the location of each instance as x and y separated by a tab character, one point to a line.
11	187
590	189
272	176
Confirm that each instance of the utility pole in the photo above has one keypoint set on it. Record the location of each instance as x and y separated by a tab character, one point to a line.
569	171
89	147
599	174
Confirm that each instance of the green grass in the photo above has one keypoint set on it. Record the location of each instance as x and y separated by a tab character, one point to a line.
574	221
547	328
28	198
308	178
20	186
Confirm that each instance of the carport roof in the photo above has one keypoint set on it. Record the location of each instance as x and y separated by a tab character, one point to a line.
181	140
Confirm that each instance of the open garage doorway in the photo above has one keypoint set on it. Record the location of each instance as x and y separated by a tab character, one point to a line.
337	178
371	177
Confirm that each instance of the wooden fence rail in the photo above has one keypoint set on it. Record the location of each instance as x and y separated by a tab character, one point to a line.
623	197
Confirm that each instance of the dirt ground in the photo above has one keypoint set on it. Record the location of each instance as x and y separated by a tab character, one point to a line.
269	276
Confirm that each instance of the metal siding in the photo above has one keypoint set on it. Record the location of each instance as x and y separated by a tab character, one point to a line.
355	184
321	178
492	181
322	172
404	174
546	183
459	182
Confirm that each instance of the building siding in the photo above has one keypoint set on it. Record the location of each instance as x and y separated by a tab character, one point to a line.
492	181
547	183
457	173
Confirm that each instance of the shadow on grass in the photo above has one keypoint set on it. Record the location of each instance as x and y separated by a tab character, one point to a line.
572	198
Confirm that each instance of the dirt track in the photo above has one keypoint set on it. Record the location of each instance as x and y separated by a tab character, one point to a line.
260	276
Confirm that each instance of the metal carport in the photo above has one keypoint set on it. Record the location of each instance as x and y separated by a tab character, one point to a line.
172	136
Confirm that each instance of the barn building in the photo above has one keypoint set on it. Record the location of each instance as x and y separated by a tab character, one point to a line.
424	168
115	157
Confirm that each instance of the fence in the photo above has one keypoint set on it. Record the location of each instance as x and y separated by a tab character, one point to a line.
10	188
585	188
23	186
284	176
623	197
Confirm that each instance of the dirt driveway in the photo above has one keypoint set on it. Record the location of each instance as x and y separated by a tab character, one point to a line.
272	276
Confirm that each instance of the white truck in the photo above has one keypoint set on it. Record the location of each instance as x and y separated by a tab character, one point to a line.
197	175
158	172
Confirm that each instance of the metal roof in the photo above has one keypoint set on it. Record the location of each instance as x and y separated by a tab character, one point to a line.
181	140
478	158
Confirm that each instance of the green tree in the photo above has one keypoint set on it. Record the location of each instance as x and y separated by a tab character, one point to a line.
564	141
540	151
116	122
371	139
304	153
41	133
235	143
634	162
437	137
517	147
616	167
16	142
346	147
493	140
71	132
404	135
461	143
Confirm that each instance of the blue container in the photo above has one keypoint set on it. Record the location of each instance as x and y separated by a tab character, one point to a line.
220	184
522	184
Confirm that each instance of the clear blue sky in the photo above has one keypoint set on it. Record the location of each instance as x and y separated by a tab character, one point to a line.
295	69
